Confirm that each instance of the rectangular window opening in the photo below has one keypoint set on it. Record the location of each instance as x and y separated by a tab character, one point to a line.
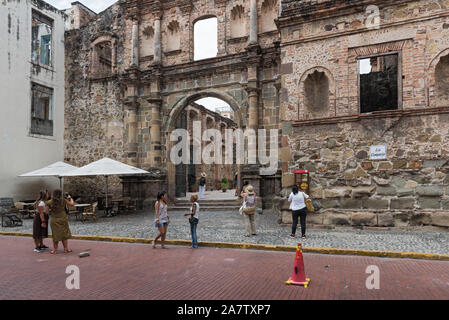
379	83
41	110
41	39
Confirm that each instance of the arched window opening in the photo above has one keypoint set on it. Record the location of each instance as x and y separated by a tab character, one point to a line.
316	92
205	39
442	82
102	59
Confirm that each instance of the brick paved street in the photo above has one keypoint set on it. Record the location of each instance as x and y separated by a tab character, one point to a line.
136	271
224	226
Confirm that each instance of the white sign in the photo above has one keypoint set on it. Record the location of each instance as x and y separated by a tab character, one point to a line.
378	153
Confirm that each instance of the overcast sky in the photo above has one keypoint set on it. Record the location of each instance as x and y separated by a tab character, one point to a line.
95	5
204	32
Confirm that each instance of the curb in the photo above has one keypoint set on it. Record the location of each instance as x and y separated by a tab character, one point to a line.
354	252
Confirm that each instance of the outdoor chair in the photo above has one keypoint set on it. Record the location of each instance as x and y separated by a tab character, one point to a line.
129	204
90	213
9	213
73	212
102	205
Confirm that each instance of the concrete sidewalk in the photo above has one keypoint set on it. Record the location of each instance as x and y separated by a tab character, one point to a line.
136	271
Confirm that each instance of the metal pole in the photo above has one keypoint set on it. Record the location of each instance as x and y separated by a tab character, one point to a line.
106	193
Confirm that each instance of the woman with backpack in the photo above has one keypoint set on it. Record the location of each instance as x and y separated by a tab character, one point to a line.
299	209
249	210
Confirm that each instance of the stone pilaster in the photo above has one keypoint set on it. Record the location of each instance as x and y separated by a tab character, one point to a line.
155	153
130	122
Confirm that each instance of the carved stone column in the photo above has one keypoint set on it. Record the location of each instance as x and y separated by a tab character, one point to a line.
253	112
135	44
253	33
155	133
157	41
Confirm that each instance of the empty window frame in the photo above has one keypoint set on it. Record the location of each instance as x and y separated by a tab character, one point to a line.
41	39
380	83
205	39
41	110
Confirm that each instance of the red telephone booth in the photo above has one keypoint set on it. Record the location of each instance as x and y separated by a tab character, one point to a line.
302	180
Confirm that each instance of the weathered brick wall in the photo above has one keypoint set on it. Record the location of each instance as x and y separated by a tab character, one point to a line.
410	187
410	29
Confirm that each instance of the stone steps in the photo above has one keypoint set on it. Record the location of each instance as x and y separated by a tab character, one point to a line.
206	208
209	205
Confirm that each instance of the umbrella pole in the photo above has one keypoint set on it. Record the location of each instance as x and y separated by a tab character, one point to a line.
106	193
60	185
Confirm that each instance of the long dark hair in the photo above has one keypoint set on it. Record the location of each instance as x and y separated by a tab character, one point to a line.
160	195
295	190
56	200
42	197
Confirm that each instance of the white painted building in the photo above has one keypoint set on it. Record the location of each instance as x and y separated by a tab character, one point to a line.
31	95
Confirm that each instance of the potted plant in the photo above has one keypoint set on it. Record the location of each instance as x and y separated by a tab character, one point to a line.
224	184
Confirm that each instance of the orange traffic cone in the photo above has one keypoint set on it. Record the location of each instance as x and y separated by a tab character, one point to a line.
298	276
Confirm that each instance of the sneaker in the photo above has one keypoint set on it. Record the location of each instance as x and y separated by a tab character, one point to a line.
43	247
303	236
37	250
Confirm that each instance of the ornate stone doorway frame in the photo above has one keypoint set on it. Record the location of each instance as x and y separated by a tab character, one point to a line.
170	125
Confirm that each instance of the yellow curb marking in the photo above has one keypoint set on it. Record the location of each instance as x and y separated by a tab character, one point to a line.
385	254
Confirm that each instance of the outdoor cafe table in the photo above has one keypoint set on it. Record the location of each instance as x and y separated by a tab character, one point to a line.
82	207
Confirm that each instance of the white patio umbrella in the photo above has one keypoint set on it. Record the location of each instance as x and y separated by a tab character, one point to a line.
105	167
54	170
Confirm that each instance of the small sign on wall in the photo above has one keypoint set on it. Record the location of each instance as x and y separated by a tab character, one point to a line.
378	153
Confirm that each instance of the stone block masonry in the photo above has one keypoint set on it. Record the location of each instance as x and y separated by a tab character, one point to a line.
331	135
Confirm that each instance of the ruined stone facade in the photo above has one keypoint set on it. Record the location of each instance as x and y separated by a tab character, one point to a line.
131	72
337	77
323	42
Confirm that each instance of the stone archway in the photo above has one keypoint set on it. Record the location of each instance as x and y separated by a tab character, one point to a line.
170	124
437	65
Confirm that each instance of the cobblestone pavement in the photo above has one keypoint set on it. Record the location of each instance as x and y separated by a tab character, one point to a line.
117	271
229	227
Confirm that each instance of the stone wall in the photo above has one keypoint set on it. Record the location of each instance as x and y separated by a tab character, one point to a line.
333	138
414	179
93	109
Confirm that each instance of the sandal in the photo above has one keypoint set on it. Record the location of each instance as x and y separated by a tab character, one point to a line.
247	235
67	250
53	251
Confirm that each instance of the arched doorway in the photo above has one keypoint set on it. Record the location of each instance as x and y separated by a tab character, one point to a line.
183	178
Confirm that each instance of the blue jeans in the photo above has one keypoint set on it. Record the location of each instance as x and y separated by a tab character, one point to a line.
193	226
